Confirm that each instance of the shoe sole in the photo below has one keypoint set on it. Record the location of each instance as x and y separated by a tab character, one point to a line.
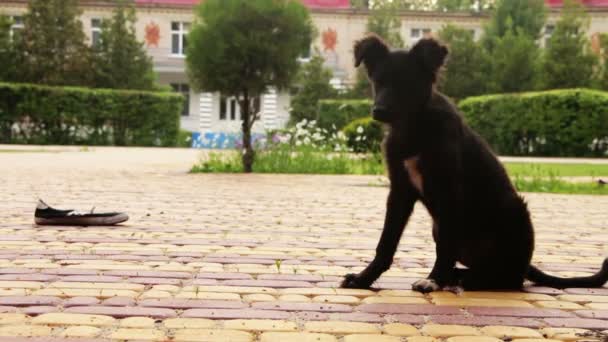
82	221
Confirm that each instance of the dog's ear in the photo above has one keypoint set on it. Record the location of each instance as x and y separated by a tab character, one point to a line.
430	53
369	51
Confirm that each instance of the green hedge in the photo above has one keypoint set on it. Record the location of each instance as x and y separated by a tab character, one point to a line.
33	114
339	113
364	135
565	123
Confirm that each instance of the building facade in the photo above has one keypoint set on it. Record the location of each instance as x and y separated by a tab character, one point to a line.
163	26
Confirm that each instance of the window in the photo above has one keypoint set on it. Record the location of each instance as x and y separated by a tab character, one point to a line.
16	27
418	33
184	89
231	110
95	31
548	33
179	31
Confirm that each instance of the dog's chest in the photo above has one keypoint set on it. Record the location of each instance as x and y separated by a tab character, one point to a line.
411	166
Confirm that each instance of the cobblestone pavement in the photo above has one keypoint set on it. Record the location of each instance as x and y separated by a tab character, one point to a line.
257	258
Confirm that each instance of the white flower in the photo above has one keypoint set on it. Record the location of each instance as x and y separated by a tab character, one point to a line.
337	148
298	143
363	137
358	138
312	123
359	129
330	157
317	136
307	140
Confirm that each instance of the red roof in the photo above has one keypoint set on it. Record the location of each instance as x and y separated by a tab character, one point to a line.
590	3
309	3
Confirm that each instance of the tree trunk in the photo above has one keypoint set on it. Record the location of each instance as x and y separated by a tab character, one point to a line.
248	153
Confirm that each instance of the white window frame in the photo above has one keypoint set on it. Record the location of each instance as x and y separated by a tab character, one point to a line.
95	29
16	25
421	32
181	32
228	102
184	89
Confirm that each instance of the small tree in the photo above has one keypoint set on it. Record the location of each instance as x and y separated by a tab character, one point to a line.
463	75
241	48
568	61
7	50
525	17
120	60
312	85
52	45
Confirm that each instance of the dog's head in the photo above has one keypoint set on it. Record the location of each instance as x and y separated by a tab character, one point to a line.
402	80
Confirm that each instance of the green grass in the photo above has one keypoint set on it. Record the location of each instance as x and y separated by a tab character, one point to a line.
527	177
563	170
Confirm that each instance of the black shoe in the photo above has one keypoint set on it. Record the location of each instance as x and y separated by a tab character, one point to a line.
46	215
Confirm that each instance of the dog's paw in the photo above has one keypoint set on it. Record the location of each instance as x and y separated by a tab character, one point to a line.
425	286
353	281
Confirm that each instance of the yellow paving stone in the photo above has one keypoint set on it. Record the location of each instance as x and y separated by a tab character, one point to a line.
111	267
309	291
14	292
421	339
442	295
336	299
296	337
400	293
371	338
81	331
21	285
99	293
155	294
564	334
537	340
399	329
394	300
559	304
473	339
113	286
138	334
597	306
294	298
506	295
260	325
354	292
583	298
25	330
73	319
258	297
212	335
12	318
340	327
464	302
186	323
508	331
137	322
168	288
448	330
238	289
209	295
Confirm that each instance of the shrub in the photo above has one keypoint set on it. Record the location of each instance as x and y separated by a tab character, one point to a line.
335	114
568	123
364	135
34	114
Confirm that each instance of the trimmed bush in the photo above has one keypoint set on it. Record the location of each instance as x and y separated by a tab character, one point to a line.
339	113
33	114
364	135
564	123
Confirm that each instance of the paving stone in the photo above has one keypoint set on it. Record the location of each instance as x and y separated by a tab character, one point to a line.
29	300
422	339
138	334
473	339
25	330
260	325
510	332
558	304
485	320
119	312
565	334
584	323
185	323
409	309
137	322
399	329
371	338
211	335
191	303
337	327
81	331
12	318
235	314
466	302
296	337
289	306
518	312
54	319
448	330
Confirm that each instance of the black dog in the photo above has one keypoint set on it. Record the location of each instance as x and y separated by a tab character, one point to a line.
479	219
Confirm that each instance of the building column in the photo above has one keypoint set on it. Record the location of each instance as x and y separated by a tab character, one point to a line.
269	109
205	111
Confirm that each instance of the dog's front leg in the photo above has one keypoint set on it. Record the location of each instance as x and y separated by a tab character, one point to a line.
399	207
445	260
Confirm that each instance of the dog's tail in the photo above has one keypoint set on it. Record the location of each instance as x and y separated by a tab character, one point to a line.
540	278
